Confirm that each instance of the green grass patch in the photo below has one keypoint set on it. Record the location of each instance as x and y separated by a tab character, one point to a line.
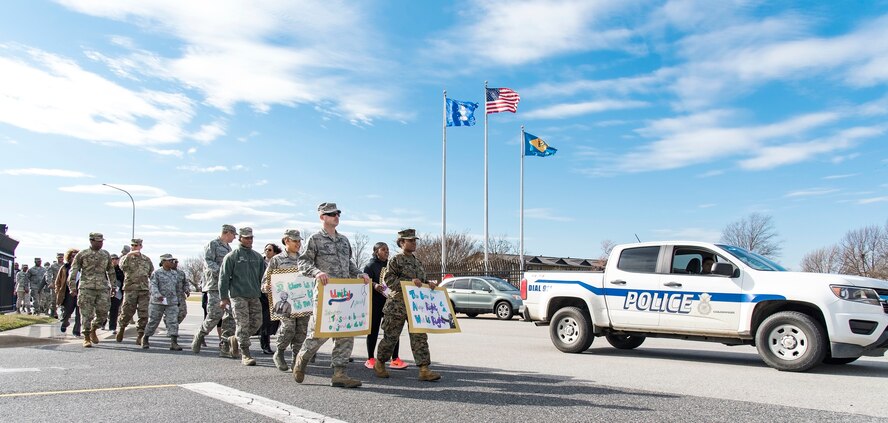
15	321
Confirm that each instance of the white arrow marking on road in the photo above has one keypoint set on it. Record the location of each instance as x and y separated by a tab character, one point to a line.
259	405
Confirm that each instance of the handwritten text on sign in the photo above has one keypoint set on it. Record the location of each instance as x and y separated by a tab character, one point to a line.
430	311
343	308
292	295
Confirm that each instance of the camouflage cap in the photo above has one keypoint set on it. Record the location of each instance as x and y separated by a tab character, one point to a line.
126	249
407	234
167	256
96	236
325	208
229	228
114	257
60	254
136	241
293	234
36	259
245	232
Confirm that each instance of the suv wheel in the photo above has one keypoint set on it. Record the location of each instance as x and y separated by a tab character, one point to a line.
791	341
504	310
624	342
570	330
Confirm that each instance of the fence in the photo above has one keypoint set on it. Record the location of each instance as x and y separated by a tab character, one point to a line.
507	270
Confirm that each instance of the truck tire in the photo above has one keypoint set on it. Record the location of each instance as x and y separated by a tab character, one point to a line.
504	310
837	361
624	342
472	315
791	341
570	330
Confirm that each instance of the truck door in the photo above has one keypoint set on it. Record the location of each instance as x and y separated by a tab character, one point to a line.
698	301
628	287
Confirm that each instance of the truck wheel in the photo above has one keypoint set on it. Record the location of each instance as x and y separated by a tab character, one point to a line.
472	315
570	330
624	342
504	310
791	341
836	361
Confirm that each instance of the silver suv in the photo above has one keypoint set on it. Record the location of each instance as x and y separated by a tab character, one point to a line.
474	295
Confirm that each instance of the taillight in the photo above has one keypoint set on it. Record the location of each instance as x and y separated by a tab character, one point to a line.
523	289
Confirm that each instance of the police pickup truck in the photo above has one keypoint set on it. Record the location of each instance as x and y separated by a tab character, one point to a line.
712	292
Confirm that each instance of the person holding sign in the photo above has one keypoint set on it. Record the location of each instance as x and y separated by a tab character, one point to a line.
403	266
328	255
293	329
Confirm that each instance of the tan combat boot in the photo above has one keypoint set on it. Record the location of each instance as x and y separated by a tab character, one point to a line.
93	337
246	359
427	375
341	380
235	348
197	342
279	360
174	345
379	369
86	343
299	364
119	337
139	338
145	344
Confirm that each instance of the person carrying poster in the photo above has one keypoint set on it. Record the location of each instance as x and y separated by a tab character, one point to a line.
293	329
403	266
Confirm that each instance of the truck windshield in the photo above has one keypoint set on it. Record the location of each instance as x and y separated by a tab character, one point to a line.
753	260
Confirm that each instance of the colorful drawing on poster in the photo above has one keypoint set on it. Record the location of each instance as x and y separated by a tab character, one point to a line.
291	295
429	311
343	309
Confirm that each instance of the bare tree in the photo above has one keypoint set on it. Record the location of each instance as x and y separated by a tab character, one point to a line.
865	252
607	246
755	233
823	260
359	249
194	268
501	245
459	247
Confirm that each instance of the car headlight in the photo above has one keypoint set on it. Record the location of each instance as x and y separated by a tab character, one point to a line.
856	294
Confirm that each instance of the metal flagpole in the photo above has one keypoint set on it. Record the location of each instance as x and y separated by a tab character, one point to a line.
486	269
444	191
521	213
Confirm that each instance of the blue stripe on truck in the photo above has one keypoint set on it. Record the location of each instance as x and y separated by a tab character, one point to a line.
716	296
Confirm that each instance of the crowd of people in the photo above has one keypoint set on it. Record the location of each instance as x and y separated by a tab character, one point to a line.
99	288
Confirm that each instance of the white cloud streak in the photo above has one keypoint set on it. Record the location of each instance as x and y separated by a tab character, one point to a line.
46	172
134	190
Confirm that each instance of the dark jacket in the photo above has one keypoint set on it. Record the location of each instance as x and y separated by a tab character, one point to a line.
373	269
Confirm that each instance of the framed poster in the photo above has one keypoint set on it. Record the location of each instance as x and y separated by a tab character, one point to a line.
292	294
429	311
343	309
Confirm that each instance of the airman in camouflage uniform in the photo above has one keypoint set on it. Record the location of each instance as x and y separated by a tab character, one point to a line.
35	276
239	285
165	288
95	290
49	280
403	266
214	252
328	255
293	329
22	290
137	268
183	295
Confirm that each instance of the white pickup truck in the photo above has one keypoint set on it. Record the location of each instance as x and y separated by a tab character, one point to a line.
710	292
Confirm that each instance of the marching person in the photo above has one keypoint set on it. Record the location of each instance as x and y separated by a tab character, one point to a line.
35	276
137	268
373	269
293	329
49	280
118	294
64	297
268	326
94	290
403	266
214	253
183	295
239	281
328	255
22	291
165	287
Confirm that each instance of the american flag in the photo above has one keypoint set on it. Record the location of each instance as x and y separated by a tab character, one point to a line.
502	100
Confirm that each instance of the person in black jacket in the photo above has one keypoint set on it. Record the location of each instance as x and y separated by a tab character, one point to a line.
116	299
268	326
373	270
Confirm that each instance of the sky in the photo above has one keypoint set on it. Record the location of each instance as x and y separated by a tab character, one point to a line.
671	119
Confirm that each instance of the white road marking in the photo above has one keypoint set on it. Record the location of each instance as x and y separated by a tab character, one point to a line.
20	370
259	405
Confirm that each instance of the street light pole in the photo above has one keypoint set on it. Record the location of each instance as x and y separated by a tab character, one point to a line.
131	200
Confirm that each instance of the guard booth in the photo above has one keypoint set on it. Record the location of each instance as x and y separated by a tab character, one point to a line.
7	260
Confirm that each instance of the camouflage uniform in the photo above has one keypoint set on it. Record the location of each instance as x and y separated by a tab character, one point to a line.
239	280
330	255
94	293
183	296
166	284
22	291
214	252
35	277
293	329
401	267
49	280
137	268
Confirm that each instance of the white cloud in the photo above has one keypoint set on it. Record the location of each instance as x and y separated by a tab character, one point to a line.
209	132
568	110
546	214
811	192
706	206
873	200
847	175
46	172
771	157
134	190
205	169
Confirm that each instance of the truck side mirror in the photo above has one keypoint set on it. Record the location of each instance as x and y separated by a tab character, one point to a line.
723	269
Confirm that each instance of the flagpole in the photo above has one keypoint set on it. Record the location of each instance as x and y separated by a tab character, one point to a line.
444	190
521	213
486	269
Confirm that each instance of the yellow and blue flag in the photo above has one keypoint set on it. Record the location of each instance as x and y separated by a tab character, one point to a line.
460	113
534	146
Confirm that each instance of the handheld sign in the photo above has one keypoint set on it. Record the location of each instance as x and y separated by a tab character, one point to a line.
343	309
291	295
429	311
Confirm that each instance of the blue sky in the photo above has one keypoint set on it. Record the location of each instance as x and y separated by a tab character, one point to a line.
671	119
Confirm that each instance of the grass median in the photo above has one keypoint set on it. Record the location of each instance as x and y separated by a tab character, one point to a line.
15	321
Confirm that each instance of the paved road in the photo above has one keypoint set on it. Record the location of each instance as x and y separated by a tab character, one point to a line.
493	371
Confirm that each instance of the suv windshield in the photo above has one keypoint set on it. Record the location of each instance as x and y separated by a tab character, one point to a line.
500	285
752	260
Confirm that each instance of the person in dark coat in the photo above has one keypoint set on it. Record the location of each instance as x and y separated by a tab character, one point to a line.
373	269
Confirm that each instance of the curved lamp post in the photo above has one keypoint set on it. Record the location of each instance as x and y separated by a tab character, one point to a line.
134	205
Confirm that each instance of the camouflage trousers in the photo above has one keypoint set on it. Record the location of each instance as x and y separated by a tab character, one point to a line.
23	300
168	313
183	308
49	302
247	318
292	333
36	301
134	301
94	305
392	324
342	347
217	316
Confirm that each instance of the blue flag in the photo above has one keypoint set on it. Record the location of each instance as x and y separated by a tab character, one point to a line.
534	146
460	113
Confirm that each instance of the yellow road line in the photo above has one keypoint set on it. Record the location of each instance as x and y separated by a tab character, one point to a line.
80	391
